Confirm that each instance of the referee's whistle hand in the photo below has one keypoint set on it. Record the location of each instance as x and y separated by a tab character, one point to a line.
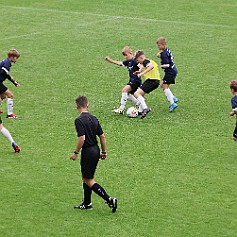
73	157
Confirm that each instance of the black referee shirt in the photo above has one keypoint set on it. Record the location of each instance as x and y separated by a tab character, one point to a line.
88	125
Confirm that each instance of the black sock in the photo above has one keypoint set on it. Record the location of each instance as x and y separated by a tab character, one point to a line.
100	191
87	194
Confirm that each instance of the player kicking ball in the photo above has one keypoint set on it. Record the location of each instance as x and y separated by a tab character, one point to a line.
149	69
134	81
88	128
5	66
7	134
167	63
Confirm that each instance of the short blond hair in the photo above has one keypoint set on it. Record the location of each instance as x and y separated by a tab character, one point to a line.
126	50
161	40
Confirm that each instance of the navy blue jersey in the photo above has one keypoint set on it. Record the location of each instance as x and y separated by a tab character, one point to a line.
167	58
132	66
5	67
234	103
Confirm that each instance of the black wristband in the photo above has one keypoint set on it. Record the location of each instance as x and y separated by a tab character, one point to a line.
75	152
103	152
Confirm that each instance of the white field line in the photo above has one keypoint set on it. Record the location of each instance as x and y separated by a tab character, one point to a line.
96	22
122	17
20	36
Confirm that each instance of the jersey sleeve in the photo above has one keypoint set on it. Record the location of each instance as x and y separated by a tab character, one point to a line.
165	58
234	104
6	67
147	63
125	63
79	128
99	131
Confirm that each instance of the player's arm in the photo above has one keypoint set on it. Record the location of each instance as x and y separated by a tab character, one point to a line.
119	63
164	61
233	112
80	143
5	73
103	154
149	67
140	69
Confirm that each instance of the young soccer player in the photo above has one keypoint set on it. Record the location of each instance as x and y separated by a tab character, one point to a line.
7	134
88	127
5	66
149	69
134	81
167	63
233	88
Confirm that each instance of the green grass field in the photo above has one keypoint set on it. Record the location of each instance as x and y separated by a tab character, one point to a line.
173	174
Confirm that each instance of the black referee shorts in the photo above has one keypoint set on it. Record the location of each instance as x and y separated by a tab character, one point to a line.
150	85
89	159
3	88
235	132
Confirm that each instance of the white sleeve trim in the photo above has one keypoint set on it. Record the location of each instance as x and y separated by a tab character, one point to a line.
3	68
235	109
149	64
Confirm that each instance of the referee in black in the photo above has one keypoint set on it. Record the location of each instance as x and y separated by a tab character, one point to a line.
88	127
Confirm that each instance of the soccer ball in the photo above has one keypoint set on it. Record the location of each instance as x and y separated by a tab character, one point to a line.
132	112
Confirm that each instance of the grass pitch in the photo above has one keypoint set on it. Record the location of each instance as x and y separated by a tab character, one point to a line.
173	174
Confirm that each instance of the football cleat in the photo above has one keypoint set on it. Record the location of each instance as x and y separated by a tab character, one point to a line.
113	204
118	111
172	107
16	148
176	100
145	112
83	206
12	116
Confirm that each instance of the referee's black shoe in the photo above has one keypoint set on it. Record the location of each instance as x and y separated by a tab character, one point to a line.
145	112
83	206
113	204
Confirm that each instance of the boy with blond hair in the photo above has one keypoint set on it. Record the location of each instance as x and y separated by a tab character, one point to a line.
167	63
5	66
149	69
134	80
233	88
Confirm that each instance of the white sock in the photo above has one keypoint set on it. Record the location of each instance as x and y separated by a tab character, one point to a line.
123	101
7	134
169	95
140	110
132	98
142	102
9	106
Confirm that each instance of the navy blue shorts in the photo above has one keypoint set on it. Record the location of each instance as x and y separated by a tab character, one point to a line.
169	78
3	88
134	86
